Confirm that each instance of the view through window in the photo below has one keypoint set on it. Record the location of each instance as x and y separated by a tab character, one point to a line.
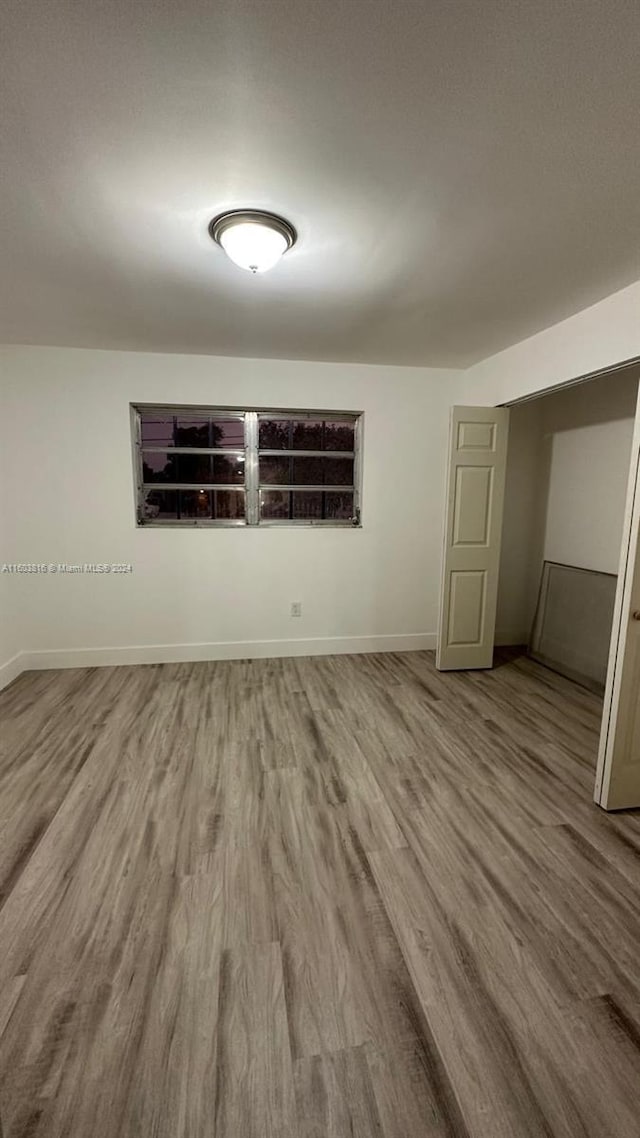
203	466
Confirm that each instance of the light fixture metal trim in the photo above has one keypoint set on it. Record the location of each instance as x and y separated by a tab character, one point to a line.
223	221
218	224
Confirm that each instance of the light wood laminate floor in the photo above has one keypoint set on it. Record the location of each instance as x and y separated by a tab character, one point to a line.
319	898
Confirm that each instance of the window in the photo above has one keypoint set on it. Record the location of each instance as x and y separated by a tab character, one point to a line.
202	466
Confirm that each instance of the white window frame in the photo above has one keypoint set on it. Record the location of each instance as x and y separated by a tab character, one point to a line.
251	485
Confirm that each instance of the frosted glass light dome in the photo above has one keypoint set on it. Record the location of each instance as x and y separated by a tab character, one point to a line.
252	239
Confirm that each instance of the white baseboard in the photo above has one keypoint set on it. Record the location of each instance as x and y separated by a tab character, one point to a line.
229	650
12	669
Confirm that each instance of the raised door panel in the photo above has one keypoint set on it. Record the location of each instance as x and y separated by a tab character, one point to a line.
467	607
472	505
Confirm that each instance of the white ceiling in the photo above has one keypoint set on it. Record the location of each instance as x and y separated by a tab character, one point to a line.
461	174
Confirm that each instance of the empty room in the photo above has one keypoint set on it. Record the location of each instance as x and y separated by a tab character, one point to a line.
320	569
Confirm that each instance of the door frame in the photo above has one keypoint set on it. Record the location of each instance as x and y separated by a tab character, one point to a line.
628	551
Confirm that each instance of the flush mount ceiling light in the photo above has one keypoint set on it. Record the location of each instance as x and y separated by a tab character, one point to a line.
251	238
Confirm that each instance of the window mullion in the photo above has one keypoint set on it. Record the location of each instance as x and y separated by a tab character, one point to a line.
251	468
137	425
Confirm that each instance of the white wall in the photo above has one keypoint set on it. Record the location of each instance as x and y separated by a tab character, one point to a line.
587	493
10	638
587	435
599	337
9	625
568	470
229	590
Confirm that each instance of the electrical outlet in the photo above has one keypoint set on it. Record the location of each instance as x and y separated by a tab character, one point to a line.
296	608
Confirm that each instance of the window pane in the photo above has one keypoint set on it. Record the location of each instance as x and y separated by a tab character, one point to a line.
275	470
306	505
274	504
159	504
338	506
311	471
338	471
228	468
159	467
308	471
323	471
227	433
206	432
193	468
192	431
181	447
339	436
228	504
194	503
184	430
290	434
211	468
274	434
307	435
219	505
156	430
175	505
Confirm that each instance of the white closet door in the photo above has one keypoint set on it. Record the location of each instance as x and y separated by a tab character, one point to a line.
473	531
618	776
